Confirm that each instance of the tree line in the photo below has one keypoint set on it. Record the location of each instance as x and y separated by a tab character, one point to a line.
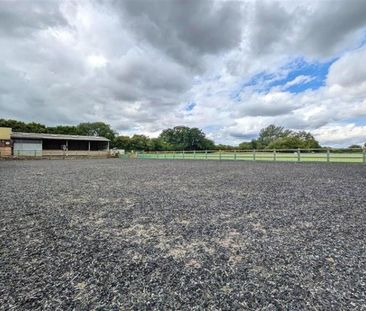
177	138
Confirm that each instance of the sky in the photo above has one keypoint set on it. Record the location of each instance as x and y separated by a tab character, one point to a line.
227	67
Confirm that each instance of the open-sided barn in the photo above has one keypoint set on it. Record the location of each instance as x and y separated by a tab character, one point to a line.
39	144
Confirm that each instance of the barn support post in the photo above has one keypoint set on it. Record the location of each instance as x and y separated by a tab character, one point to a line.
67	148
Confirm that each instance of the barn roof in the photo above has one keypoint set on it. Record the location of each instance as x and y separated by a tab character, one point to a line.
20	135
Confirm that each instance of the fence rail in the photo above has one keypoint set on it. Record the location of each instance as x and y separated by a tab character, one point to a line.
285	155
31	153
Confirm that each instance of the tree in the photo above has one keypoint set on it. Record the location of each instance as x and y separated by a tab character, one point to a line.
276	137
122	142
139	142
355	147
96	129
185	138
308	140
248	145
19	126
270	134
302	140
63	129
289	142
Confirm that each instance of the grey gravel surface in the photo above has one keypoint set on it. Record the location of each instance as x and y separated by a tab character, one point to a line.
185	235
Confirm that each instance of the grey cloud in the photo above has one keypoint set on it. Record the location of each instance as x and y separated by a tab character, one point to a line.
268	110
331	24
21	18
317	29
240	135
185	30
271	26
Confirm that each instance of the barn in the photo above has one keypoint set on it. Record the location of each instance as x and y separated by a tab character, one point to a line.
20	144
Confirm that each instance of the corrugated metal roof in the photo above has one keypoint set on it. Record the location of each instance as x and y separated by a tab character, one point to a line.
21	135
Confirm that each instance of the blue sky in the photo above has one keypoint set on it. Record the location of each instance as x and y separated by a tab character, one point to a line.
263	82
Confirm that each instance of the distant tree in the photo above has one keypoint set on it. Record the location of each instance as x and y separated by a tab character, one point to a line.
185	138
302	140
248	145
224	147
309	142
63	129
355	147
290	142
276	137
122	142
139	142
96	129
270	133
19	126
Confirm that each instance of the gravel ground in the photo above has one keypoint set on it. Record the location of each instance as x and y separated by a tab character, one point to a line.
185	235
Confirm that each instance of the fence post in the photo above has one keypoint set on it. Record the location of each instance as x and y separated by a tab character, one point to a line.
194	154
328	155
274	154
183	154
206	154
220	155
253	154
364	155
157	154
298	155
234	154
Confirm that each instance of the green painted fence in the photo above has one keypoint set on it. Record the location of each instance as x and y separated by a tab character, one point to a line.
282	155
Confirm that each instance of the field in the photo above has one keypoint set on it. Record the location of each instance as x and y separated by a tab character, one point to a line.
344	157
182	235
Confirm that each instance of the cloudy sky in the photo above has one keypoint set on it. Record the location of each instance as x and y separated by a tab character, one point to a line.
227	67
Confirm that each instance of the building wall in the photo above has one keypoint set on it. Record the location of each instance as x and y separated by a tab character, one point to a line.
5	133
5	151
74	153
27	148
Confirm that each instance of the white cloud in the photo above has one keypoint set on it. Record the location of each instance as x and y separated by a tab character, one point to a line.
342	134
302	79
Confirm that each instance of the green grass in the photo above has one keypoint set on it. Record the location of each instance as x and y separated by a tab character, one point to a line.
258	156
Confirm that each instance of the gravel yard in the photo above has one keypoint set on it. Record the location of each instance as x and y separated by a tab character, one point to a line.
185	235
